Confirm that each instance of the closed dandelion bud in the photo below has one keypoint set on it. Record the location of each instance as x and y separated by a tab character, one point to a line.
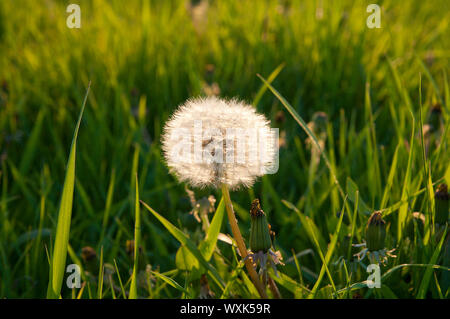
442	200
375	232
259	230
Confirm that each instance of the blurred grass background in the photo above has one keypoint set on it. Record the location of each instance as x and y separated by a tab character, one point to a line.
146	57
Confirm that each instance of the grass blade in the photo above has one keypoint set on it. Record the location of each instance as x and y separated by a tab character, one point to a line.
305	127
352	189
137	239
170	281
59	255
270	79
402	213
32	144
328	256
184	240
390	179
429	271
100	276
209	244
122	289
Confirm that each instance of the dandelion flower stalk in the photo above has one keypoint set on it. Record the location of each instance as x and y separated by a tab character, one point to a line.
273	287
240	242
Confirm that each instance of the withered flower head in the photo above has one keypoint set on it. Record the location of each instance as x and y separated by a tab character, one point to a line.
129	247
88	253
442	201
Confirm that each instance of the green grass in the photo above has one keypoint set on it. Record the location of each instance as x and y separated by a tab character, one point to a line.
58	262
143	58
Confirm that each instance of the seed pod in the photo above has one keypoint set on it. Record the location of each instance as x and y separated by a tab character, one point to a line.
89	257
375	232
442	201
259	230
88	253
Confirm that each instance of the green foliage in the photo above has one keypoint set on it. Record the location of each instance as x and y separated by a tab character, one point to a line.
377	87
58	263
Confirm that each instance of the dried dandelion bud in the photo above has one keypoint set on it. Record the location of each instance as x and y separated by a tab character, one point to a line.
88	253
375	232
259	230
205	291
129	248
89	257
442	201
318	125
418	219
209	142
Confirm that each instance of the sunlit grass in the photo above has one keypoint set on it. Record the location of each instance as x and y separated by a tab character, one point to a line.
378	88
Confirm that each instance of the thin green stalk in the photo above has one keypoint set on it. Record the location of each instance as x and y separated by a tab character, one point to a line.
137	239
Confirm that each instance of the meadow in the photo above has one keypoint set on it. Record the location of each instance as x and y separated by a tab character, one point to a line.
376	101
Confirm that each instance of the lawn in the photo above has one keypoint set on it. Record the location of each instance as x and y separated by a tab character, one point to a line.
364	126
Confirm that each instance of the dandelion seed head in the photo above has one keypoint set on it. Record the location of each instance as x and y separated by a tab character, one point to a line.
219	161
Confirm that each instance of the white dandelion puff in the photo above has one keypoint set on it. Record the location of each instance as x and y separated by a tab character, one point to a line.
209	142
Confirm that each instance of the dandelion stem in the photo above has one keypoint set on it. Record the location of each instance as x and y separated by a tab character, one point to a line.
240	242
273	287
